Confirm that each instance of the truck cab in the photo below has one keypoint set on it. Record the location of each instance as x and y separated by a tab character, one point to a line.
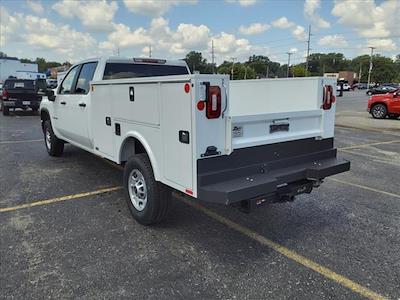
244	143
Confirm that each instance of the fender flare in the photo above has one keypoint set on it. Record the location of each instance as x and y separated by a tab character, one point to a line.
149	152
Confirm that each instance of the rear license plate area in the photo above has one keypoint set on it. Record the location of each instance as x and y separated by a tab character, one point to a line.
278	127
26	102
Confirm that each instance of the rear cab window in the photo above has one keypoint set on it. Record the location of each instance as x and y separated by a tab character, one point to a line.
20	84
135	70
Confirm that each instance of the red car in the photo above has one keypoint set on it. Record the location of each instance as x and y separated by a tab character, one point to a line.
380	106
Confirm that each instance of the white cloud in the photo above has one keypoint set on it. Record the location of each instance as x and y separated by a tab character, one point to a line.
243	2
43	36
124	37
294	50
35	6
94	15
335	40
310	8
154	7
255	28
8	26
299	33
382	44
282	23
369	19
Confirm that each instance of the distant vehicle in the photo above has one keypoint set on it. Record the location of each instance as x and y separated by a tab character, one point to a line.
360	86
346	87
1	93
51	83
380	106
394	85
382	89
22	93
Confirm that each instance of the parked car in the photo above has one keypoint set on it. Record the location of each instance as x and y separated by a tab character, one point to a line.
382	89
360	86
213	139
22	93
381	106
346	87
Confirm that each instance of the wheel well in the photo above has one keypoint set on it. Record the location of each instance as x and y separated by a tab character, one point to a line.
44	116
376	103
131	146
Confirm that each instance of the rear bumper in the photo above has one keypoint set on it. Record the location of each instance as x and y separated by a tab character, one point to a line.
271	171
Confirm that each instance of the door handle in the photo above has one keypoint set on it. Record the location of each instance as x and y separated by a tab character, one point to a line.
63	102
82	104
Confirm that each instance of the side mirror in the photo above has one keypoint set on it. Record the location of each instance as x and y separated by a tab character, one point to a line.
50	95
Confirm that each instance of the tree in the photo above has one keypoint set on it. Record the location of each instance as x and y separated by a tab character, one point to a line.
298	70
196	62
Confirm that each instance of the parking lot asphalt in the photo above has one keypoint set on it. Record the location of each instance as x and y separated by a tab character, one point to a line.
341	241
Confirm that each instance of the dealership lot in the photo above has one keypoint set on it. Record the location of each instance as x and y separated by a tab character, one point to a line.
341	241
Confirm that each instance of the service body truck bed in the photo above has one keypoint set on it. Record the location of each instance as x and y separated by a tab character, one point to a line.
233	142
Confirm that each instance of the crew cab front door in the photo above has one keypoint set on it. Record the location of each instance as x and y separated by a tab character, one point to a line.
72	104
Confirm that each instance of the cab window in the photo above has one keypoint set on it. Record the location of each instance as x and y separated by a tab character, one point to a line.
85	76
68	82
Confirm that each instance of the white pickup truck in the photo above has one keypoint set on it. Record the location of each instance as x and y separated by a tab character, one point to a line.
245	143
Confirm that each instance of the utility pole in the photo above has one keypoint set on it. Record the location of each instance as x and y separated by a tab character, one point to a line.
267	71
233	63
150	50
212	56
288	63
359	74
308	50
370	65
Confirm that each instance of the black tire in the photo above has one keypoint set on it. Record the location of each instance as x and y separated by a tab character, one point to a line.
6	111
379	111
158	196
54	146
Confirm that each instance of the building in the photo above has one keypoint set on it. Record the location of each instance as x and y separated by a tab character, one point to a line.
346	76
53	72
10	66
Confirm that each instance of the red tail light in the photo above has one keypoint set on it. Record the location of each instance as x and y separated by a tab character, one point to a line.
5	94
328	97
213	102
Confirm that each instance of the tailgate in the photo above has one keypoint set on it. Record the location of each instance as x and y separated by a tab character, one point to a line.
271	111
24	95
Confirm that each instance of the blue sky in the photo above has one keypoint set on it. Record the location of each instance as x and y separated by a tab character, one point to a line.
75	29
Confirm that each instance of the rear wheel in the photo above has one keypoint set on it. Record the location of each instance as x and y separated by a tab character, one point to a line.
148	200
54	145
379	111
6	111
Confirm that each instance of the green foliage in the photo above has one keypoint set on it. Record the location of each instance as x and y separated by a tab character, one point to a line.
196	62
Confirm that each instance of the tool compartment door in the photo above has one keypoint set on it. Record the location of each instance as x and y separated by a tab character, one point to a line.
177	135
102	121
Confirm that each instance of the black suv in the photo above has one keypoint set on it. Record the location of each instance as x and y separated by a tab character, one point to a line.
22	93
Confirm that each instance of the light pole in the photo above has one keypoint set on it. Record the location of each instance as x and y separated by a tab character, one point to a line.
370	66
288	63
233	63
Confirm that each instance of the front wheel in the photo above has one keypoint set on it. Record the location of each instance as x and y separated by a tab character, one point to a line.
148	200
54	146
379	111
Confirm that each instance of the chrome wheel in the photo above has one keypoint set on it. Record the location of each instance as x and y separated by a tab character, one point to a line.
137	189
48	139
379	111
